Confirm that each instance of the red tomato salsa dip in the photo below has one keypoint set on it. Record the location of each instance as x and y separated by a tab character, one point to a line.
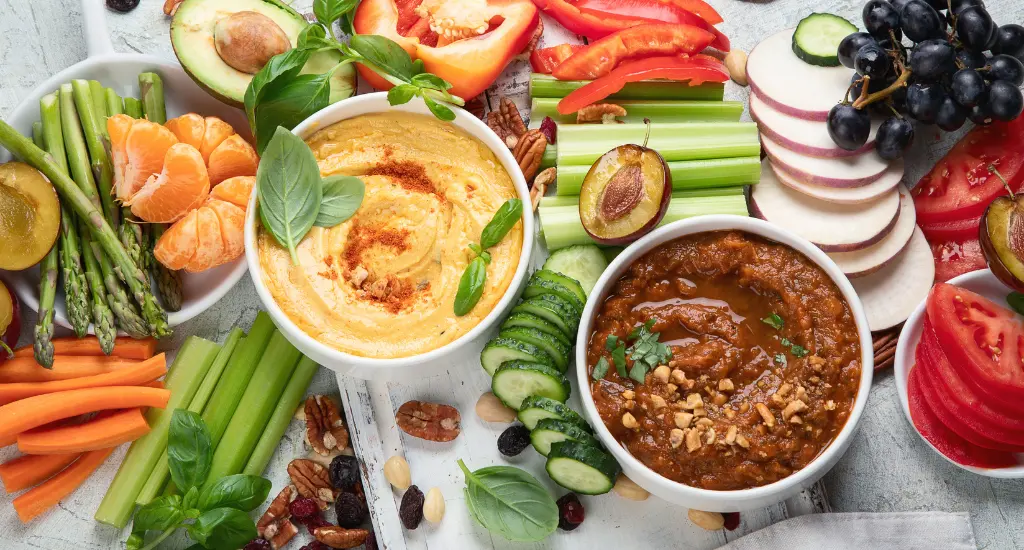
748	353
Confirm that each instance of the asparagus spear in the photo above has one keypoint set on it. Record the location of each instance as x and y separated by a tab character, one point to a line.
76	295
43	343
99	99
114	105
93	119
37	135
152	88
132	107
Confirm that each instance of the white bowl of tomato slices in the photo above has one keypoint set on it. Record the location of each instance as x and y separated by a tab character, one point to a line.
960	376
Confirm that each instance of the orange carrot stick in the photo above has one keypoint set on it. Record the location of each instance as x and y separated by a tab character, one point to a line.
25	369
124	347
32	412
30	470
46	495
100	433
135	374
154	384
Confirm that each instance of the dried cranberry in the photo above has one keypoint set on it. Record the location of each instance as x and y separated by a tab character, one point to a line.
313	522
303	508
344	472
351	511
732	520
257	544
514	440
570	512
371	541
549	129
123	6
315	545
411	510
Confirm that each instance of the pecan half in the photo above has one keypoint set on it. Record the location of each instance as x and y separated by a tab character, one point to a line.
325	430
534	39
604	113
507	122
540	185
274	525
529	152
430	421
339	537
312	481
475	107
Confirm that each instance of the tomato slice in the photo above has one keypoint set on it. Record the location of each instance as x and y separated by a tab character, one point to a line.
956	230
954	258
960	185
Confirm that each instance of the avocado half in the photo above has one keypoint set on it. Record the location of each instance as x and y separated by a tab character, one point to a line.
193	43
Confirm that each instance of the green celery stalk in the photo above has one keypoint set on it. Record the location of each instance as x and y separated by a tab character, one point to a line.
560	201
686	174
585	143
549	159
186	374
133	107
658	110
254	410
161	471
562	226
115	106
99	99
543	85
293	394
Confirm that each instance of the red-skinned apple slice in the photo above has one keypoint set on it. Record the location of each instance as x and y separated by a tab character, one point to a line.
804	136
846	195
866	261
891	294
854	171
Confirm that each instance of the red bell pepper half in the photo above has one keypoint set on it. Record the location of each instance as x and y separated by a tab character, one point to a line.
595	22
656	39
651	11
696	69
544	60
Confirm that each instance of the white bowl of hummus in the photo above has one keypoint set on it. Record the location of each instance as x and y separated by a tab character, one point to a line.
374	296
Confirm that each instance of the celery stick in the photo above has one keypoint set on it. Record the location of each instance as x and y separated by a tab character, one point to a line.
99	100
115	106
184	378
656	110
282	416
132	107
562	226
550	157
585	143
574	201
254	410
686	174
542	85
161	471
232	383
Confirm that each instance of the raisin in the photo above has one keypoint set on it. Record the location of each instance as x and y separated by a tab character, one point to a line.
570	512
351	511
344	472
732	520
371	541
303	508
313	522
549	129
257	544
513	440
315	545
411	510
123	6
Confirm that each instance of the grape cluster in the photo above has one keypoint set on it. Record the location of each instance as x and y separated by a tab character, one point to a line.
957	66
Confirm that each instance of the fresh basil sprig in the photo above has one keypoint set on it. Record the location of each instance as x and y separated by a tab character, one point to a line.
216	517
510	502
471	285
342	197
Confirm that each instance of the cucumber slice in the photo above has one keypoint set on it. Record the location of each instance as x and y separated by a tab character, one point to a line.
817	37
499	350
528	320
546	281
551	430
558	351
514	381
537	407
553	309
581	468
583	262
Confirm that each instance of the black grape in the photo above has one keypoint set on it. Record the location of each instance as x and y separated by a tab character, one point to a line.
924	100
969	59
974	28
871	60
980	115
1005	101
893	137
1008	68
968	87
931	59
851	45
880	17
848	127
951	115
920	21
1010	41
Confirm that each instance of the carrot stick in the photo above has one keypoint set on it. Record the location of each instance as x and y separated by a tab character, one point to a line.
135	374
154	384
30	470
100	433
43	497
124	347
25	369
37	410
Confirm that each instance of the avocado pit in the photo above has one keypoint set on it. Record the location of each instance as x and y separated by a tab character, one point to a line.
246	40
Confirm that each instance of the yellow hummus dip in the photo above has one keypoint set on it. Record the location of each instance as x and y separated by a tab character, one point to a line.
383	283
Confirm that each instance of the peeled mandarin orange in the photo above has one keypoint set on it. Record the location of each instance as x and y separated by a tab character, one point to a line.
118	127
176	247
188	128
205	238
232	227
236	190
181	186
145	147
233	157
215	133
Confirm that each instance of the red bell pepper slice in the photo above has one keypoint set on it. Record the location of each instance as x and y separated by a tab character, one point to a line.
652	11
597	23
697	69
544	60
699	7
600	57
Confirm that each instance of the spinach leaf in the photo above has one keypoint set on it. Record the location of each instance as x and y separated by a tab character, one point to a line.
282	67
160	514
289	190
431	81
385	55
189	449
503	221
289	102
240	491
223	528
439	110
510	502
403	93
342	197
1016	301
329	11
471	286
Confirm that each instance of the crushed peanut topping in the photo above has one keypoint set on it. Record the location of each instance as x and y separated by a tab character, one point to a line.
766	415
710	437
628	394
658	402
692	440
730	435
794	407
675	438
742	441
726	384
682	419
694	401
661	374
678	377
628	421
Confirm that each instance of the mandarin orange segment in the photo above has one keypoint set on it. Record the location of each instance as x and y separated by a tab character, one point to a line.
233	157
216	132
181	186
146	145
210	248
188	128
176	247
236	190
232	228
118	127
205	238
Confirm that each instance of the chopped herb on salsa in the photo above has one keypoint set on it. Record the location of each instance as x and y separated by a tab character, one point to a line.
646	351
786	342
611	342
780	359
774	320
619	358
600	369
799	350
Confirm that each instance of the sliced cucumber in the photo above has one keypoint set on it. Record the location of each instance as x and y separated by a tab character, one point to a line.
582	468
817	37
555	310
500	350
537	407
552	430
546	281
582	262
558	351
529	320
514	381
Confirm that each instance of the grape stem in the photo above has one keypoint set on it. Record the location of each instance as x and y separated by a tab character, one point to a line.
993	170
868	99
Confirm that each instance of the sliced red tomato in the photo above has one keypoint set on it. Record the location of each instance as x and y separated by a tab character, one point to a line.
544	60
960	186
954	258
656	39
954	230
652	11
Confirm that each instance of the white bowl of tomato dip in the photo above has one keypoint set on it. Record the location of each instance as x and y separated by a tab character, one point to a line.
764	377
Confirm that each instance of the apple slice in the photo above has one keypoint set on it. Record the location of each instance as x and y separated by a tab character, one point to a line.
846	195
860	263
854	171
892	293
804	136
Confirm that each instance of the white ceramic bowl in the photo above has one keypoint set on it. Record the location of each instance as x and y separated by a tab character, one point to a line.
985	283
431	362
704	499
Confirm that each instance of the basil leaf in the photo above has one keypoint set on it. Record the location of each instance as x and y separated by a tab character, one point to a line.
289	189
619	358
289	102
329	11
239	491
471	286
775	321
135	542
431	81
385	55
189	501
439	110
503	221
1016	301
223	528
638	372
189	449
403	93
313	37
510	502
346	24
600	369
610	342
160	514
283	66
342	196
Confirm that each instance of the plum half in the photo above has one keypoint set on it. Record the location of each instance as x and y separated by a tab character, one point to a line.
625	194
10	322
29	216
1001	234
